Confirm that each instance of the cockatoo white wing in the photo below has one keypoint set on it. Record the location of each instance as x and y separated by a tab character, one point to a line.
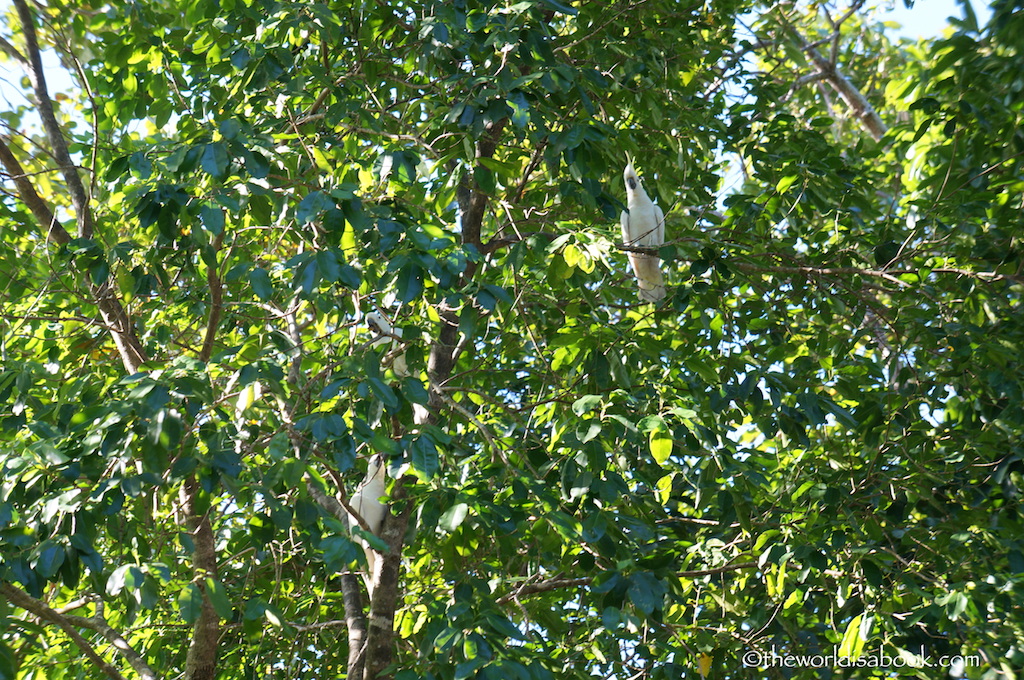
366	501
643	225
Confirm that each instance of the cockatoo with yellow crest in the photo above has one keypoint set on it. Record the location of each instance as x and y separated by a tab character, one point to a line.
643	226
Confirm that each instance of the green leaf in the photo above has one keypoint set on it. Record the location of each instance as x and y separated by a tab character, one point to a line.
215	159
652	424
646	592
310	207
453	517
485	179
852	644
8	663
212	218
140	165
410	282
116	169
190	603
562	8
230	128
383	391
425	458
255	163
785	183
504	627
520	109
661	445
886	252
586	403
219	598
414	391
48	559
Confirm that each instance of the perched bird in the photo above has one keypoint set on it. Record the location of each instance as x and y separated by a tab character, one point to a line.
388	336
366	501
643	225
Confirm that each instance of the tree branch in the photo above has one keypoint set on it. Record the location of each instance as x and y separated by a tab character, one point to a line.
858	103
326	501
115	318
99	624
483	429
55	232
12	52
34	69
891	275
338	506
30	604
355	620
472	200
559	583
714	571
351	590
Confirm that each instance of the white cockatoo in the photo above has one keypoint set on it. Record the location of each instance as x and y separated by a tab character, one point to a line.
367	502
643	225
389	336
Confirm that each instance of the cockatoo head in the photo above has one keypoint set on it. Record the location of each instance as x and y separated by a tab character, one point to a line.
374	466
377	323
629	175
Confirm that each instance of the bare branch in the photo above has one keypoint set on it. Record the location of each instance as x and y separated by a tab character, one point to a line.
559	583
79	199
12	52
858	103
891	275
27	193
30	604
326	501
715	571
99	624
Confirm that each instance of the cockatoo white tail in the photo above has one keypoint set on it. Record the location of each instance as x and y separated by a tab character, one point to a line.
379	325
366	501
643	225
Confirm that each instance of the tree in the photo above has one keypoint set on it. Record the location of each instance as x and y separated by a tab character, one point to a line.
812	445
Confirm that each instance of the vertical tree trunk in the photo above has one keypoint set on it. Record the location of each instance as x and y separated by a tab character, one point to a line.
201	663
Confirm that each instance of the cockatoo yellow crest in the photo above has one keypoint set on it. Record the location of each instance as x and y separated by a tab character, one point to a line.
643	225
